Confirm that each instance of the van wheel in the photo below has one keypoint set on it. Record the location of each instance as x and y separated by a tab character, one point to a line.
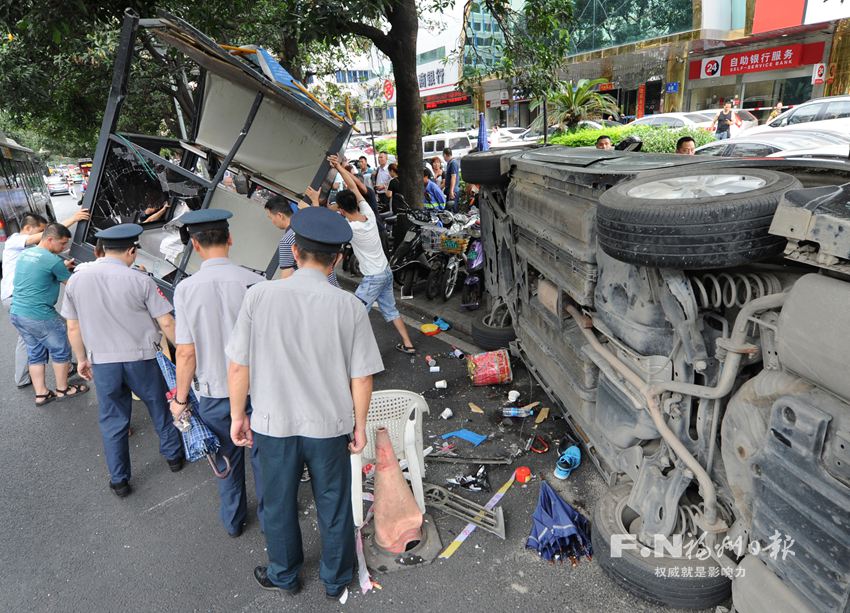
485	167
637	574
693	218
493	330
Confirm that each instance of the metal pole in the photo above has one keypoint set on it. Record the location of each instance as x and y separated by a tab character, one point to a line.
545	121
372	134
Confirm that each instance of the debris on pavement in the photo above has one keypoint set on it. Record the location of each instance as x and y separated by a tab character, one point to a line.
446	414
517	412
467	435
456	459
569	458
474	514
558	531
490	368
470	527
542	416
522	474
442	324
475	408
441	384
537	444
513	396
479	482
429	329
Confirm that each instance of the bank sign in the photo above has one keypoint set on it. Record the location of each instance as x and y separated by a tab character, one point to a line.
774	58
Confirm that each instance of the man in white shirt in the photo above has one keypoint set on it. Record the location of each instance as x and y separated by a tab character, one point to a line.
382	178
32	226
377	283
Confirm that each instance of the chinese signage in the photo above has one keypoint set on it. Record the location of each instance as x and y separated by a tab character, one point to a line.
606	87
641	100
445	100
774	58
672	88
432	78
757	60
496	98
777	14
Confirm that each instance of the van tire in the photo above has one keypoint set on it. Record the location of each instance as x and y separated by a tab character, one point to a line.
490	337
637	574
710	231
485	167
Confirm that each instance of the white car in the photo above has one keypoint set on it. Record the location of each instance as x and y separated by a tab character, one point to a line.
694	119
458	142
833	108
745	118
775	144
826	152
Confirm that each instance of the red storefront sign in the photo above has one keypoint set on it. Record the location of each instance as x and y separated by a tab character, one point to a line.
757	60
445	100
641	100
606	87
773	58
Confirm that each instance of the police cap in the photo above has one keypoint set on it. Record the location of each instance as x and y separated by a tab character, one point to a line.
320	229
122	236
202	220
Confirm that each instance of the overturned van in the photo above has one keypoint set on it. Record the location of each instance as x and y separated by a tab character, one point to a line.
690	318
255	133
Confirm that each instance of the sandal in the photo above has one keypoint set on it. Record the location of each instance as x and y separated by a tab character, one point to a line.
79	390
48	398
406	349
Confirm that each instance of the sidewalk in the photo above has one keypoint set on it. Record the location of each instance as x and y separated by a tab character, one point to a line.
423	310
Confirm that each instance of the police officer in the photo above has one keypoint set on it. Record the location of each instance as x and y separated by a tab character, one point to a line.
319	414
205	307
115	315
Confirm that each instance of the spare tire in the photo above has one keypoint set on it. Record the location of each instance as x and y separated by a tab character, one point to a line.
692	217
490	334
485	167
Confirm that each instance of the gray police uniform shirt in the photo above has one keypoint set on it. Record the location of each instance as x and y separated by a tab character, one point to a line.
206	306
116	307
304	340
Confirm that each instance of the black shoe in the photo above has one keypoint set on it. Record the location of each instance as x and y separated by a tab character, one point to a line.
335	595
121	489
175	465
237	532
263	579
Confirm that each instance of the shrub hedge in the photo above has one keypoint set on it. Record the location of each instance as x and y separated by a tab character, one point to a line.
655	140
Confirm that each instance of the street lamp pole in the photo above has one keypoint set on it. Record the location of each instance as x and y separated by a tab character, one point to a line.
372	133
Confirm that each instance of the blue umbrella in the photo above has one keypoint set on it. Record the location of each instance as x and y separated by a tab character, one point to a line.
198	439
483	143
558	531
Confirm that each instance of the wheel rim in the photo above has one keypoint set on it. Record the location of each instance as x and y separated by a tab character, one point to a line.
451	281
700	186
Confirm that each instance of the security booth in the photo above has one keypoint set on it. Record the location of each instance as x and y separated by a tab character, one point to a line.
255	133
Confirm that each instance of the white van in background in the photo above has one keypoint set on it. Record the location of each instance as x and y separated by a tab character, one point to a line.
434	144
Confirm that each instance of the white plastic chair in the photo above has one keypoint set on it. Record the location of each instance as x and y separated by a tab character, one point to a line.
400	412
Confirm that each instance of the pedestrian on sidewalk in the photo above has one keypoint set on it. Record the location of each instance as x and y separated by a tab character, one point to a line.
382	179
434	198
38	274
451	179
329	358
30	234
116	318
279	211
206	306
377	283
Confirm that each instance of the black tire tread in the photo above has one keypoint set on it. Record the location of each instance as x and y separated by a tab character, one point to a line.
637	575
490	338
485	167
692	233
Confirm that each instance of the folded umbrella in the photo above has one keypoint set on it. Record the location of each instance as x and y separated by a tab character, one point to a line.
483	143
558	531
198	439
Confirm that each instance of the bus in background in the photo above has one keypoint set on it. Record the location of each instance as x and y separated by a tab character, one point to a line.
22	188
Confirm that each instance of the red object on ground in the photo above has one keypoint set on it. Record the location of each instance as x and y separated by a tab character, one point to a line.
491	368
523	474
398	520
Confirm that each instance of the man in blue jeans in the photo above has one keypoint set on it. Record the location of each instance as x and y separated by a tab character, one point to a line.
377	283
452	179
38	274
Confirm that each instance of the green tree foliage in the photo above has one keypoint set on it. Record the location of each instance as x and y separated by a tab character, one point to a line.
536	43
434	123
655	140
572	102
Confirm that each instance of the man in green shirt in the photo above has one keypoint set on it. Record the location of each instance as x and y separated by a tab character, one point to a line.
38	274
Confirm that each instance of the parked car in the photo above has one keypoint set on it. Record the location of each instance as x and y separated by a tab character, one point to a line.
688	316
824	152
821	109
56	184
746	119
458	142
774	142
674	120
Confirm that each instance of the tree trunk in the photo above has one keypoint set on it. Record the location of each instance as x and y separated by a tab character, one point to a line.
408	106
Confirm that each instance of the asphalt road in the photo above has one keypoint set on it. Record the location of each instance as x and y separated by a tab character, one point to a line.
69	545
